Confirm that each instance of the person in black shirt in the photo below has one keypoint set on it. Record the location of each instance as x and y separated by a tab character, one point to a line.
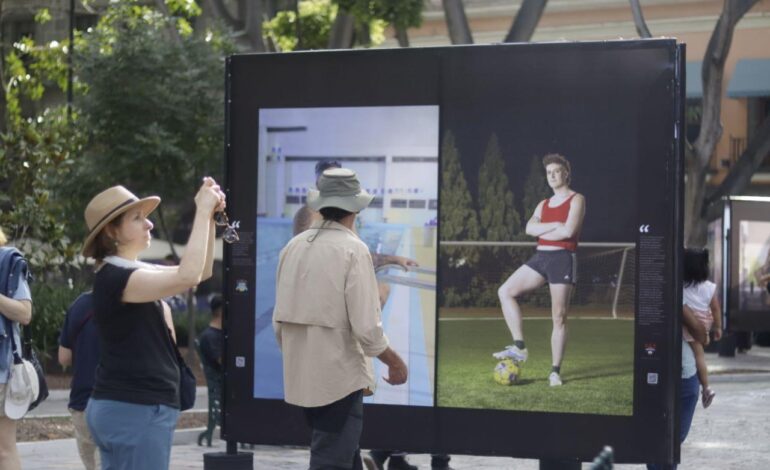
79	348
211	338
135	402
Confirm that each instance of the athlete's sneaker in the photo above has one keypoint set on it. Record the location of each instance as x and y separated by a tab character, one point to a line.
707	396
513	352
371	463
554	380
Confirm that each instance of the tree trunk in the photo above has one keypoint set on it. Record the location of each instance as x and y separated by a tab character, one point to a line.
740	174
221	10
342	33
457	22
254	25
711	127
641	25
526	21
166	233
402	36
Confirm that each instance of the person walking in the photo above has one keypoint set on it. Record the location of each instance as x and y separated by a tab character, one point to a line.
15	309
338	326
79	348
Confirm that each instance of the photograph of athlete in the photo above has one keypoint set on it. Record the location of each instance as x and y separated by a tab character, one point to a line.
556	222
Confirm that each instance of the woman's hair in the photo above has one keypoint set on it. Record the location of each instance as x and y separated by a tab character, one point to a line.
334	213
104	244
3	238
559	160
696	266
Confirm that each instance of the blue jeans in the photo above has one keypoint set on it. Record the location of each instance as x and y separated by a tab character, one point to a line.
131	436
688	400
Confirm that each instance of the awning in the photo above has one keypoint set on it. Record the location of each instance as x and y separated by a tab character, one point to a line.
694	83
751	79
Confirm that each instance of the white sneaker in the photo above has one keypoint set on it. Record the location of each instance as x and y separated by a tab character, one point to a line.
554	380
518	355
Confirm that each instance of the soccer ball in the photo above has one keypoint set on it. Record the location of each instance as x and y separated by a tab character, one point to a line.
506	372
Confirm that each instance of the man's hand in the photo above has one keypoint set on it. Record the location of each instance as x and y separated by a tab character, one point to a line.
717	334
401	261
397	374
397	370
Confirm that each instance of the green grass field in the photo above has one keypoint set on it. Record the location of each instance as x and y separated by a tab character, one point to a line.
597	370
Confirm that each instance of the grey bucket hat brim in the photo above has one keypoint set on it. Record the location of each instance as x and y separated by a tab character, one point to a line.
355	203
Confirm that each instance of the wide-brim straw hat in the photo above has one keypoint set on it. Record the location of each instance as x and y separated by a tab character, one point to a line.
107	205
339	187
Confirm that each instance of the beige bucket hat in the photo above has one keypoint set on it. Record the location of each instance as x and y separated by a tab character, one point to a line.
339	187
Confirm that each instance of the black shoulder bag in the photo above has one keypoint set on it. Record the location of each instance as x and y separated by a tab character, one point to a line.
187	381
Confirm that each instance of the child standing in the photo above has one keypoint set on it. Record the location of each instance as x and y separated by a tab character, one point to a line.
699	296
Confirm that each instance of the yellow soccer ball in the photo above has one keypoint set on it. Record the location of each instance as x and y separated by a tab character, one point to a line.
507	372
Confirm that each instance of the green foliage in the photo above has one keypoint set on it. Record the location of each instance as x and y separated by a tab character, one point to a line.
152	105
499	218
316	18
181	327
535	187
49	307
38	149
400	13
459	220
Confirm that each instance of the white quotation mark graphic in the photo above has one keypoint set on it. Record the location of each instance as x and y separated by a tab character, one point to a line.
644	228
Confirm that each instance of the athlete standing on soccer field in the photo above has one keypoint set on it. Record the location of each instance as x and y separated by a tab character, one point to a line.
556	223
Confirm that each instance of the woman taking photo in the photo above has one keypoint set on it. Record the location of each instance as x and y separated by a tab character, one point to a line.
15	308
135	403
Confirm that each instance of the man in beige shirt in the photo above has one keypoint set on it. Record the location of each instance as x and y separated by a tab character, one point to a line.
327	322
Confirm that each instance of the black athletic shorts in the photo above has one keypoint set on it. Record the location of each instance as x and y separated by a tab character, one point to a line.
557	267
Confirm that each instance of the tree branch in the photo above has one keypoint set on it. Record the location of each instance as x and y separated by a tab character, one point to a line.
713	74
740	174
639	22
526	21
457	22
402	36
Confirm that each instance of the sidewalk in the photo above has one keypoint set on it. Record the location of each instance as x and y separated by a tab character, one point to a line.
732	433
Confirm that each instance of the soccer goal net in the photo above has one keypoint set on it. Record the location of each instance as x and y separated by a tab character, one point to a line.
470	274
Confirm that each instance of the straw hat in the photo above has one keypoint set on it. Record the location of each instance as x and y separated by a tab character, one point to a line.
339	187
107	205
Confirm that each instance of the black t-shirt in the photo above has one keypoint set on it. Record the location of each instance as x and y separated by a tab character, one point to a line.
211	348
138	361
80	335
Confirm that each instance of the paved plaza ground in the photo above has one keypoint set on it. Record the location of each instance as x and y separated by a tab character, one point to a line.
734	433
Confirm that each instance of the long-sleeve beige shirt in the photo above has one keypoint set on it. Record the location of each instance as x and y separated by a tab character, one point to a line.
327	315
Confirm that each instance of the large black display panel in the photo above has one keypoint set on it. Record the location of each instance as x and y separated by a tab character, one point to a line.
451	142
746	242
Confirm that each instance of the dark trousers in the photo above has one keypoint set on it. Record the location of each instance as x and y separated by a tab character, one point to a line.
688	400
337	433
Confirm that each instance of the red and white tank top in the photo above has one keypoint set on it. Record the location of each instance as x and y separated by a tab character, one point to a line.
558	214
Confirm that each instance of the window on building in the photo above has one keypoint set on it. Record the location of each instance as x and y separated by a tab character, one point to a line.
14	29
